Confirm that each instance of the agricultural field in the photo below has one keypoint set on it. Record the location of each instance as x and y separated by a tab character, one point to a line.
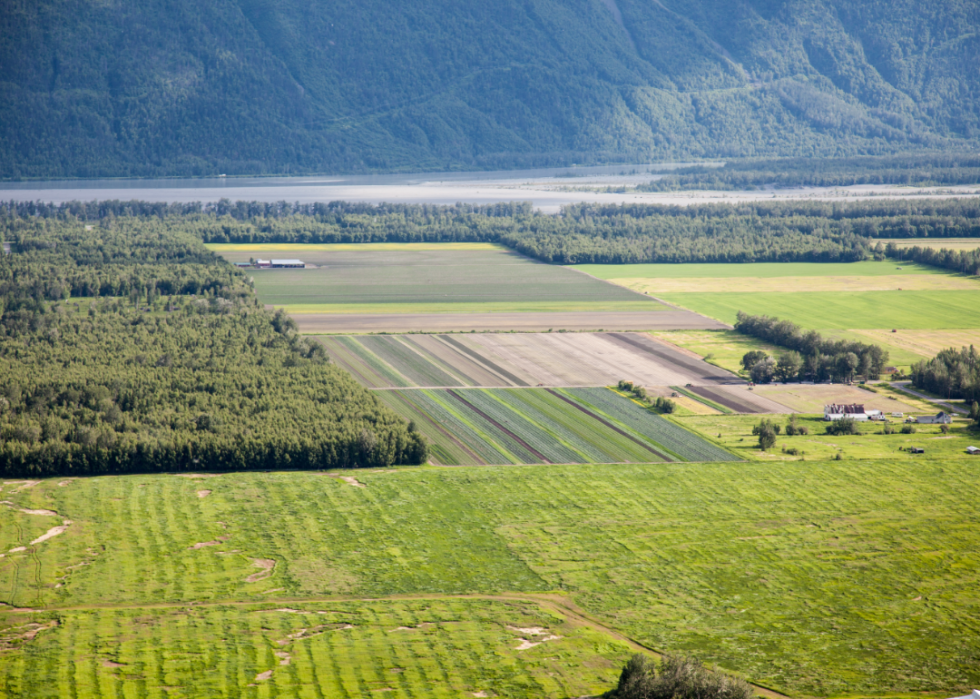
937	243
920	344
437	647
823	579
737	399
410	280
518	359
734	432
348	319
532	426
808	398
723	348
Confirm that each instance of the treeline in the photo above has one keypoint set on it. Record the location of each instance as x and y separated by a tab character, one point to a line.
952	374
811	356
962	261
911	170
162	378
583	233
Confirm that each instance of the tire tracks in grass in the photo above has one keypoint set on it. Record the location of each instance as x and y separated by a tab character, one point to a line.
548	601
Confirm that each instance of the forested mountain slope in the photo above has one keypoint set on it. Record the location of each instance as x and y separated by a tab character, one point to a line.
104	87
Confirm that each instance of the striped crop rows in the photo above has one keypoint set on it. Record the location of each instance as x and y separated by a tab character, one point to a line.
530	425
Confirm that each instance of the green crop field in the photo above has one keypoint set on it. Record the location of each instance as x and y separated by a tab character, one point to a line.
925	310
413	279
760	270
853	578
507	426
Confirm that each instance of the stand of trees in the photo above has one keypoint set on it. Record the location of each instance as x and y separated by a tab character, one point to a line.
913	169
130	347
584	233
811	357
952	373
676	678
962	261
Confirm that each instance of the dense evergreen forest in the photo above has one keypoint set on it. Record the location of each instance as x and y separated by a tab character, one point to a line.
953	373
281	86
585	233
912	170
962	261
811	356
127	346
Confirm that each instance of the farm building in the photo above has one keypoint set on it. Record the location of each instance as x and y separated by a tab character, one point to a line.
939	418
288	264
973	450
263	264
853	411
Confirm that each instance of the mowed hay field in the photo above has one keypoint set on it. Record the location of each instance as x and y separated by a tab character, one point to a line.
861	300
936	243
406	279
817	579
806	398
508	426
517	359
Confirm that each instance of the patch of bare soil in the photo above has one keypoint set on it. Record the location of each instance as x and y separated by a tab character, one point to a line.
263	676
269	592
42	513
53	532
13	636
203	544
62	484
22	485
540	635
352	481
423	625
203	493
199	475
267	565
284	657
109	663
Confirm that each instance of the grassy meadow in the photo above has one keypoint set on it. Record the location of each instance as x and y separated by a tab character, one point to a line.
413	278
816	578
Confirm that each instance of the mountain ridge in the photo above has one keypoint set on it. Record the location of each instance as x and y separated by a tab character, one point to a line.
171	87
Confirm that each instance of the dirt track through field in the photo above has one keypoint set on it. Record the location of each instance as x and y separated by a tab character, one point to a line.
325	323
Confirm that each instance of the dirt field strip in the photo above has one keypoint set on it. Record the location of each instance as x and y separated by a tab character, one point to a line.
627	321
500	427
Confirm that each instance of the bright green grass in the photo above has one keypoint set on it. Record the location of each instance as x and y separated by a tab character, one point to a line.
723	348
756	269
444	649
912	310
817	578
736	436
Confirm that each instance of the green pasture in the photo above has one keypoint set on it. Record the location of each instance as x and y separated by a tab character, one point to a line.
723	348
912	310
438	648
736	435
757	269
851	578
428	276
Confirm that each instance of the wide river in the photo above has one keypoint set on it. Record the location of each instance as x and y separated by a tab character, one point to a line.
547	189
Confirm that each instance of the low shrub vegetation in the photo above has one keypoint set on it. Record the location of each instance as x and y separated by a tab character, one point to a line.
677	677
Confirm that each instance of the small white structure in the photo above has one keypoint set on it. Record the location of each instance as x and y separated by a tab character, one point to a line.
263	264
974	695
288	264
855	411
973	450
940	418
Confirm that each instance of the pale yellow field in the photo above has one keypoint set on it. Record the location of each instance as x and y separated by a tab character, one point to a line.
925	343
906	282
948	243
812	399
349	247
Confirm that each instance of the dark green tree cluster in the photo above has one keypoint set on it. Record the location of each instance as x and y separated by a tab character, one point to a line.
105	382
962	261
815	358
585	233
953	373
677	677
912	170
